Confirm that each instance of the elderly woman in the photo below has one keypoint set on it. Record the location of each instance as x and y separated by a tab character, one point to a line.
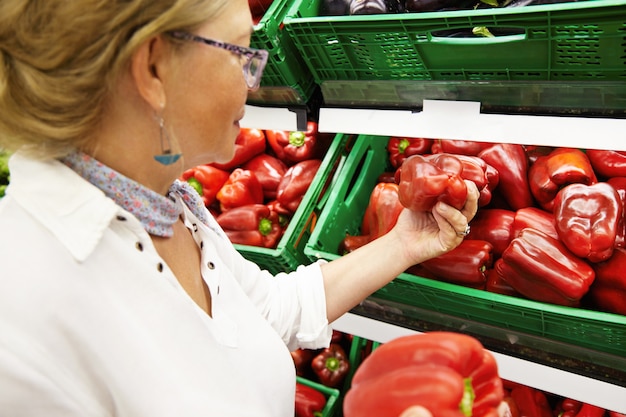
119	293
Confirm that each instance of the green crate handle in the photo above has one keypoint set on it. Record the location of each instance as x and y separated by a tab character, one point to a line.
477	40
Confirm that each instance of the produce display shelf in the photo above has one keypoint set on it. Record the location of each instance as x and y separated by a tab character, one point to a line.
342	214
286	78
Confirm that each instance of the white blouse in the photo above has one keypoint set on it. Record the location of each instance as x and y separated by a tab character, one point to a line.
94	323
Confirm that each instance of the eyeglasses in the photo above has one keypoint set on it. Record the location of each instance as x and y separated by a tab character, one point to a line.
254	60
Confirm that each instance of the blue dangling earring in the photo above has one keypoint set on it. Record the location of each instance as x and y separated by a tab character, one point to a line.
166	157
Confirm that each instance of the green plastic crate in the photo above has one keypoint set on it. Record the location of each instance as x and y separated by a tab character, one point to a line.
342	214
286	79
331	394
289	252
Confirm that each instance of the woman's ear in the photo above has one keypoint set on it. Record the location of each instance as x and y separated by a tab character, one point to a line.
147	70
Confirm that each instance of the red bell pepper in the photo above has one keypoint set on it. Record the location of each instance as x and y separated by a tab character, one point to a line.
400	148
383	210
206	180
587	218
482	174
590	410
531	402
535	151
331	365
425	180
296	182
567	407
511	162
534	218
451	374
543	269
606	163
309	401
619	183
461	147
253	225
608	291
269	170
465	265
554	171
351	243
497	285
294	146
249	143
302	360
241	188
495	226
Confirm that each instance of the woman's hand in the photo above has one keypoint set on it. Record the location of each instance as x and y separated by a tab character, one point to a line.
426	235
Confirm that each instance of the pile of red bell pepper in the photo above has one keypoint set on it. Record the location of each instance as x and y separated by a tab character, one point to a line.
254	195
550	226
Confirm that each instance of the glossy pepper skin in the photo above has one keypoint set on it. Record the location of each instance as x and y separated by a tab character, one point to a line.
607	163
420	370
295	183
400	148
425	180
466	264
511	162
543	269
534	218
241	188
294	146
206	180
309	401
249	143
269	170
587	219
480	173
495	226
608	291
619	183
253	225
331	365
531	402
461	147
554	171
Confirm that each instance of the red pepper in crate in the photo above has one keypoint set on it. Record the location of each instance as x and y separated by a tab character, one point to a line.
495	226
587	218
461	147
253	225
480	173
619	183
383	210
534	218
451	374
296	146
249	143
206	180
543	269
608	291
269	170
531	402
567	407
425	180
331	365
241	188
465	265
309	401
554	171
401	148
606	163
302	360
295	183
497	285
590	410
511	162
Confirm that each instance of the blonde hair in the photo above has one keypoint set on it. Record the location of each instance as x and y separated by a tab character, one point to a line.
59	59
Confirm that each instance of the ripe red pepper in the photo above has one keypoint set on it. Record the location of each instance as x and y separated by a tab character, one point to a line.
309	401
241	188
497	285
511	162
302	360
206	180
253	225
589	410
331	365
495	226
269	170
294	146
249	143
400	148
425	180
587	219
543	269
451	374
619	183
383	210
465	265
531	402
480	173
608	291
534	218
606	163
295	183
461	147
554	171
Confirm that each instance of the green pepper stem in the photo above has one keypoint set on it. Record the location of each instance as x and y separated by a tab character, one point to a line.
332	363
265	226
467	402
297	138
